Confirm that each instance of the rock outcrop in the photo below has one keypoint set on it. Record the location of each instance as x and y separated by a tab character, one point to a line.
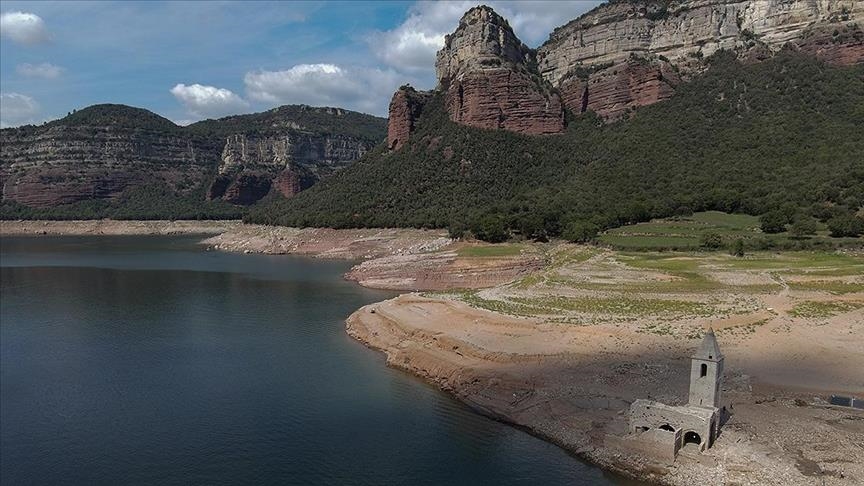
669	40
405	109
486	74
615	91
249	166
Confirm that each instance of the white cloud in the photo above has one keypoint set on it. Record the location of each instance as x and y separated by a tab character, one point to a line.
44	70
534	20
412	45
23	27
208	101
356	88
17	109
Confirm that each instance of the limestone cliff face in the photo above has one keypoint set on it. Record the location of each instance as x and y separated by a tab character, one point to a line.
487	76
670	39
65	164
622	55
103	150
251	165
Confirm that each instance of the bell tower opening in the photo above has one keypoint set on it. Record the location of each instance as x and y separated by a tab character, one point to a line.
703	370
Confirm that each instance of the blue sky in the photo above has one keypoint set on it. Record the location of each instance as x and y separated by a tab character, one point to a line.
193	60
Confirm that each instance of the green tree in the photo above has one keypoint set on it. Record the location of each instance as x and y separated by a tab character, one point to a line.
491	228
845	225
773	222
802	227
580	231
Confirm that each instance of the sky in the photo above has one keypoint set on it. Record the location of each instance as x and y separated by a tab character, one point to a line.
189	61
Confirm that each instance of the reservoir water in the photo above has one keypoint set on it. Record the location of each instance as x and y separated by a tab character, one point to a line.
147	360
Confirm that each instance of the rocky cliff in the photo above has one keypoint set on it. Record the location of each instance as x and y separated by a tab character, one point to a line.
286	149
487	76
97	154
405	109
251	165
626	54
622	55
102	151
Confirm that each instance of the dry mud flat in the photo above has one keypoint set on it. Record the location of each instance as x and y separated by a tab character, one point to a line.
564	350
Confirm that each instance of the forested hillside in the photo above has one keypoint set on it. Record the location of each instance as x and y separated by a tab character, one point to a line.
781	136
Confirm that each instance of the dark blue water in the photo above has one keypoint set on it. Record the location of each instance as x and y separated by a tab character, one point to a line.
146	360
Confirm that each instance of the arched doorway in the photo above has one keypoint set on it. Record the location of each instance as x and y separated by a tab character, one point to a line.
667	427
691	437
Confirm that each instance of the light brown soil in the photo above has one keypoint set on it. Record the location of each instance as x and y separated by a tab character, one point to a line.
571	384
442	270
348	244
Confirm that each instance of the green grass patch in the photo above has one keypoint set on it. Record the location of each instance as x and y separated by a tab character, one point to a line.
799	260
488	251
811	308
829	286
687	232
619	306
504	307
726	220
649	242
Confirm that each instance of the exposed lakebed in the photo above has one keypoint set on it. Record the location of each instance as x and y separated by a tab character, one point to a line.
147	360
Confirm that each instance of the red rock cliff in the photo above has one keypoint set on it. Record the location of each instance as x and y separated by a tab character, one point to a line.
486	74
405	108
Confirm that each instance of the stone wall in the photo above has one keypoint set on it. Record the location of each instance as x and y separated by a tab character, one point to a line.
648	415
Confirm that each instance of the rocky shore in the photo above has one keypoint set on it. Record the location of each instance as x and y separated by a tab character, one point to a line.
572	386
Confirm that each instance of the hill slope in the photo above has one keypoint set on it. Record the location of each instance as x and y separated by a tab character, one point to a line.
120	161
783	134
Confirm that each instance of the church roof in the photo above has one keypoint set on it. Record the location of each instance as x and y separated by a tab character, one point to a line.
709	349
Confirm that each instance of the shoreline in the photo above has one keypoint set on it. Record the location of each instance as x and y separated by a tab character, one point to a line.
581	412
568	381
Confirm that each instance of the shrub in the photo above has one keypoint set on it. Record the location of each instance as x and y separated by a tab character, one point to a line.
491	228
710	240
773	222
737	248
845	225
803	226
580	231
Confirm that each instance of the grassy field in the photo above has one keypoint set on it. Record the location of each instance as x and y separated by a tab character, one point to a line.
491	251
813	309
687	233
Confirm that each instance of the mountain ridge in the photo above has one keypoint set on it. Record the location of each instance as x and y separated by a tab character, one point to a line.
99	152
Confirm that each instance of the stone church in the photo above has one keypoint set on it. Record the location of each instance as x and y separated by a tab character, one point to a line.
664	429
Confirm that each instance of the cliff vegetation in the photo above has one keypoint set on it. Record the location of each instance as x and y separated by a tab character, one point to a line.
780	137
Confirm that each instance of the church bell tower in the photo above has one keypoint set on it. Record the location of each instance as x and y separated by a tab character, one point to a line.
706	373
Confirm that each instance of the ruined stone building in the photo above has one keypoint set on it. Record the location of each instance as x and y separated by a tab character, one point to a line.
663	430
